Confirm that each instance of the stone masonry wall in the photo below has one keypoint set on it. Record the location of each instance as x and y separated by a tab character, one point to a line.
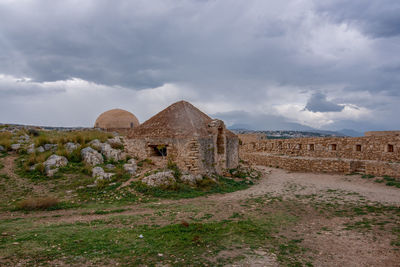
382	148
375	155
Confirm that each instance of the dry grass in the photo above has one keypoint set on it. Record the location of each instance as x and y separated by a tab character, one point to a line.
39	203
61	138
5	140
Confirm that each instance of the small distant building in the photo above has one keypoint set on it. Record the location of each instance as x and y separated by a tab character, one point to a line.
187	136
118	120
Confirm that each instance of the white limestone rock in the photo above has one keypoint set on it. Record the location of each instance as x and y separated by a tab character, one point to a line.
130	167
96	144
91	156
40	149
115	141
52	147
100	174
31	149
112	154
15	147
160	179
52	164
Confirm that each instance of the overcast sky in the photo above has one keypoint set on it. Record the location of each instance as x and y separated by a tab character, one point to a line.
264	64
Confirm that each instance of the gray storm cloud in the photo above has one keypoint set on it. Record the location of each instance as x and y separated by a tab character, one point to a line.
319	103
256	55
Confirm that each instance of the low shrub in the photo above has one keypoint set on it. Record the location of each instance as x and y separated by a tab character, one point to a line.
38	203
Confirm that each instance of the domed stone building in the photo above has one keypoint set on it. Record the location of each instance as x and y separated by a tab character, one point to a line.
118	120
187	136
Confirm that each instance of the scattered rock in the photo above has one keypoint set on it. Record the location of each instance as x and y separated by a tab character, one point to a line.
100	174
112	154
160	179
40	149
52	164
52	147
71	146
33	167
110	166
31	149
130	167
91	156
96	144
15	147
191	179
115	141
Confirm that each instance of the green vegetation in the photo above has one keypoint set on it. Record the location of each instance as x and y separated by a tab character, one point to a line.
178	244
204	187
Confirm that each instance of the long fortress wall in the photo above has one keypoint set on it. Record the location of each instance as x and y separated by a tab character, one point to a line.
375	154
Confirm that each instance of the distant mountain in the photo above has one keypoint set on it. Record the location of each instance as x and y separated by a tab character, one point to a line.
350	132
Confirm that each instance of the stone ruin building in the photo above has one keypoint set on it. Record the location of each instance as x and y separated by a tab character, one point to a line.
376	153
116	120
187	136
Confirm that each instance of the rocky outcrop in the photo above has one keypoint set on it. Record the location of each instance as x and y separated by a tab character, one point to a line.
91	156
191	179
52	164
130	167
160	179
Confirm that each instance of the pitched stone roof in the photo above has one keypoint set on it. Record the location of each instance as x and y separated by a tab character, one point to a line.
116	119
179	120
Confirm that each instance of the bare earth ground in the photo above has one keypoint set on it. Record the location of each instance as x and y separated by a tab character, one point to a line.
325	237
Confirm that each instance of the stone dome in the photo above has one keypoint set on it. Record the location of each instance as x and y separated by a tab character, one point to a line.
116	119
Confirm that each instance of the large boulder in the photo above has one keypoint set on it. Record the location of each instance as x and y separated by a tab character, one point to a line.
191	179
91	156
163	179
52	164
130	167
70	147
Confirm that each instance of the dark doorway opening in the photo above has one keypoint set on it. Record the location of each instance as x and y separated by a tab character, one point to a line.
390	148
158	150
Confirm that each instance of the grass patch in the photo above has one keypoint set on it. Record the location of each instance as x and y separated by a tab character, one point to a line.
180	190
177	244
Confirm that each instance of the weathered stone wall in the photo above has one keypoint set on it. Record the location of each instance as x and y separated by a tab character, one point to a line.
376	155
382	133
232	157
382	148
